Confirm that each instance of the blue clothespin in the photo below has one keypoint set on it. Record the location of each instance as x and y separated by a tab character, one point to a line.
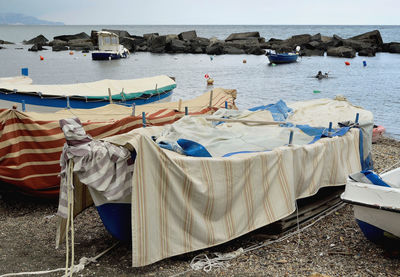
290	137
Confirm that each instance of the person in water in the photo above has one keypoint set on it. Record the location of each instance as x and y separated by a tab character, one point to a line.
320	75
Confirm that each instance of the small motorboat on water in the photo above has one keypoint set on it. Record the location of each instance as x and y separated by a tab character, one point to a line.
376	202
109	47
282	58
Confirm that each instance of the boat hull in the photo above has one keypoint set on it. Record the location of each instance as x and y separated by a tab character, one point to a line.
36	103
107	56
282	58
376	208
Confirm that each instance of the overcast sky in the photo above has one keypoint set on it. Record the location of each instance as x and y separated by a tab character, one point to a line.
241	12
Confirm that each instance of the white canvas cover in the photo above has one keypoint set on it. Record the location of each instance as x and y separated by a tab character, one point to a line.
98	88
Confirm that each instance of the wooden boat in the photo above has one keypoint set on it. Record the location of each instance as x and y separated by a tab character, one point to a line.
282	58
376	202
202	181
31	143
50	98
109	47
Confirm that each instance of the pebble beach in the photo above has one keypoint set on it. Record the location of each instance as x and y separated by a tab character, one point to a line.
331	246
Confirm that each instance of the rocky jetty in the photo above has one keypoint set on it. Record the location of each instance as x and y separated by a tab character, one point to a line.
367	44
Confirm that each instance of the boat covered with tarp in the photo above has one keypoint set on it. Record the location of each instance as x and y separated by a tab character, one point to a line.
31	143
205	180
48	98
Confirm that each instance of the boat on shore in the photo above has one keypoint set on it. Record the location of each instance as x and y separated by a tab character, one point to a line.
109	47
50	98
31	143
163	186
376	203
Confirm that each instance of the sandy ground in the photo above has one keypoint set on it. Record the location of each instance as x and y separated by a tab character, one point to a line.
333	246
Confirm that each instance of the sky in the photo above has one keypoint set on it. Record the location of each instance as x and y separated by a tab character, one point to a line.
211	12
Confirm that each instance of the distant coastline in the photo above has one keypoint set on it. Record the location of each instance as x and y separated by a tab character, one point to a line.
21	19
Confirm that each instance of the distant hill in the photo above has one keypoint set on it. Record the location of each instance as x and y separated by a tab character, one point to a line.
21	19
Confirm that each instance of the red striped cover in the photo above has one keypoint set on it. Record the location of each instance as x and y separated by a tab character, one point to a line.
30	149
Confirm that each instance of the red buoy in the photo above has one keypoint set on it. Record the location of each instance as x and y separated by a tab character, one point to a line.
41	58
346	63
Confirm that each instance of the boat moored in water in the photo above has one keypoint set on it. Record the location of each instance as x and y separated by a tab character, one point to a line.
109	47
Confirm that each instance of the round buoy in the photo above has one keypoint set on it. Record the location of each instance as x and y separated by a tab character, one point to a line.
364	63
210	81
346	63
41	58
244	61
71	53
273	64
211	58
206	76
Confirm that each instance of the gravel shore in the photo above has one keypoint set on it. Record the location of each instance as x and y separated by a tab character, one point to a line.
333	246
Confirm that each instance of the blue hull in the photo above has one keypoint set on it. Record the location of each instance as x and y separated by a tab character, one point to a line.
116	218
107	56
375	234
75	103
282	58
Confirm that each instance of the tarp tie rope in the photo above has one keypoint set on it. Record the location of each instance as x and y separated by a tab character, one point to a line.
203	262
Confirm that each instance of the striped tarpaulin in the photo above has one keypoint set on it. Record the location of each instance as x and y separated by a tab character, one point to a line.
31	144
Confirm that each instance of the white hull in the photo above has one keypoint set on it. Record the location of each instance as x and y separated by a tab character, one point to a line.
4	104
376	205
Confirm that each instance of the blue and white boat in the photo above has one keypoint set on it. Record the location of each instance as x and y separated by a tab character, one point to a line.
50	98
109	47
376	202
282	58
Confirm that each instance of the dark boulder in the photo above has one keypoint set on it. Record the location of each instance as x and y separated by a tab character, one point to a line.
132	43
215	48
187	35
229	49
58	42
368	52
341	51
316	37
298	40
176	46
5	42
157	44
255	51
242	36
198	45
356	44
80	44
312	52
94	37
40	39
120	33
59	47
150	36
244	44
36	47
392	47
82	35
373	38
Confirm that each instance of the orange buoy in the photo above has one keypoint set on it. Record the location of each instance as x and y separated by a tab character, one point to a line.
346	63
41	58
71	53
244	61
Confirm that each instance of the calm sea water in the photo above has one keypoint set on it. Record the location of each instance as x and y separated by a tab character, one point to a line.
375	87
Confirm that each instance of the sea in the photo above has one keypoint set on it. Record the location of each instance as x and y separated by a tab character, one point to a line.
375	87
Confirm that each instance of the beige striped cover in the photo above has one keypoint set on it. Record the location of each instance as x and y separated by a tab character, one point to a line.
181	204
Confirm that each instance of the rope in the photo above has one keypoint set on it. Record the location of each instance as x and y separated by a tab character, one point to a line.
202	261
